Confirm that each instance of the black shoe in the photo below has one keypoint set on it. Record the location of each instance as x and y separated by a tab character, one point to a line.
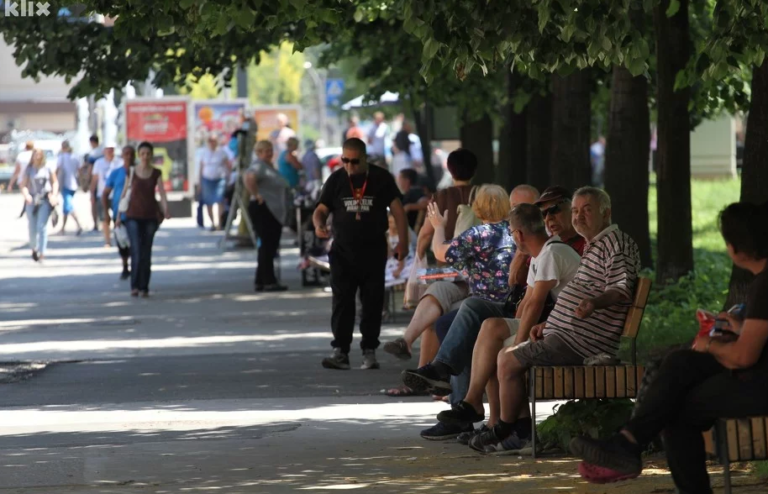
35	257
460	413
427	379
275	287
258	288
125	275
444	432
465	437
616	453
339	360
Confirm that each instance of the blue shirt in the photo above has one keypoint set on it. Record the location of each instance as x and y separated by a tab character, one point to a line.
288	172
116	181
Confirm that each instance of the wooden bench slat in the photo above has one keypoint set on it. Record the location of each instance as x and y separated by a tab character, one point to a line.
733	440
559	392
610	382
745	439
578	381
568	382
621	381
600	381
758	438
589	382
539	382
549	381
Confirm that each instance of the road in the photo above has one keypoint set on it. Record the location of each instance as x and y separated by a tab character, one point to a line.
208	386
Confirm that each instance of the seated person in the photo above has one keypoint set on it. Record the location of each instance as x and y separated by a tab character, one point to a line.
398	270
414	199
717	377
555	205
553	266
588	318
484	251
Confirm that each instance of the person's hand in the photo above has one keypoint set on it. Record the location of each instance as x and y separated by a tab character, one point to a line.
401	251
54	201
734	322
397	272
701	343
435	218
166	214
537	332
259	199
322	232
585	308
118	222
28	200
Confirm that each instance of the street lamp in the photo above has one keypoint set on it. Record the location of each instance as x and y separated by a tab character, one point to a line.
320	90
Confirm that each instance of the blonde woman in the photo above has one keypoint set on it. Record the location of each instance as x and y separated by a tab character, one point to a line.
40	188
484	252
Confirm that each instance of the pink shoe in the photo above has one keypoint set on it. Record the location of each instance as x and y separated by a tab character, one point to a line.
601	475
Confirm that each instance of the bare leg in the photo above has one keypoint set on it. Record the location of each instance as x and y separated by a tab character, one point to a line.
494	405
427	312
209	207
107	239
63	223
511	374
77	221
490	341
429	346
94	211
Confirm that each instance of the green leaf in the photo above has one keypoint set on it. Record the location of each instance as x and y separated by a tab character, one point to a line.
674	7
431	47
358	15
186	4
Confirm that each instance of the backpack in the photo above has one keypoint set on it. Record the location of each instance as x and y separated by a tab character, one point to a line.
466	217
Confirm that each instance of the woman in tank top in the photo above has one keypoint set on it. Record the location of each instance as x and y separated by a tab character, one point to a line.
143	217
40	188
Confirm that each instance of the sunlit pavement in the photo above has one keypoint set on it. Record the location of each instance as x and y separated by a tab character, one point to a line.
207	386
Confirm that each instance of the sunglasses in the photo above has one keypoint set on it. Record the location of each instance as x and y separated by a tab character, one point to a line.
551	210
353	161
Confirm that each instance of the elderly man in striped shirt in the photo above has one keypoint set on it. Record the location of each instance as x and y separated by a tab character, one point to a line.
587	319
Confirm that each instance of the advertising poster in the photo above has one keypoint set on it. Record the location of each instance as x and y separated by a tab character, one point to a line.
162	122
266	118
219	117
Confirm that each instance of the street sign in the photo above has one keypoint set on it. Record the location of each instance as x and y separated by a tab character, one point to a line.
334	90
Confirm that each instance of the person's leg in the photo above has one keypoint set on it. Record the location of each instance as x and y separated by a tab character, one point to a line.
32	228
489	343
257	220
437	300
443	324
94	211
132	227
428	347
511	376
494	403
107	237
148	235
43	213
209	209
270	243
372	298
344	286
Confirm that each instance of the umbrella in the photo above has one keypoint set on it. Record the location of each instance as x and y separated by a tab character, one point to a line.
387	98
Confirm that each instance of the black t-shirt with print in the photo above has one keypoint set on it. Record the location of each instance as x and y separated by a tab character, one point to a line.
757	308
349	233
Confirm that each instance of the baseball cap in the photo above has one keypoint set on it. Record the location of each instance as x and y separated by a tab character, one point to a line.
554	193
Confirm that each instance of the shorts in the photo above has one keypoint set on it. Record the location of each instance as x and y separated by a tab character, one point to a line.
551	350
212	191
448	295
66	204
513	325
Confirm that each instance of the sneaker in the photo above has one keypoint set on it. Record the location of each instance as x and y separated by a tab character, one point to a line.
615	453
369	360
398	348
339	360
275	287
489	437
258	288
125	275
512	444
444	432
460	413
465	437
428	379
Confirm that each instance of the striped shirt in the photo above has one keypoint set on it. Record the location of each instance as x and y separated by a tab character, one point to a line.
611	261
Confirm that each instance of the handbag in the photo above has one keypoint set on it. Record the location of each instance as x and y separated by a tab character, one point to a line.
125	201
414	289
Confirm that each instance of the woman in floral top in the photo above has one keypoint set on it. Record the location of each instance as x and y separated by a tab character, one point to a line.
483	253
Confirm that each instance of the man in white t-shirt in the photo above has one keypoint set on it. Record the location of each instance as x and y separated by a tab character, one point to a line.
377	137
279	137
214	168
101	170
68	167
22	160
553	266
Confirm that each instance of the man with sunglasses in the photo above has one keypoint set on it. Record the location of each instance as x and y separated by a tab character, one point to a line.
358	196
555	206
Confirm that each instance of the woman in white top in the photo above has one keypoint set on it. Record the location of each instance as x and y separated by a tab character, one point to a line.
68	168
40	188
214	168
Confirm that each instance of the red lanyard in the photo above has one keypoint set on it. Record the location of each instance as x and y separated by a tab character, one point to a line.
358	198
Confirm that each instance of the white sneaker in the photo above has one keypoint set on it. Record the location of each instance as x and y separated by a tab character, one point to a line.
369	360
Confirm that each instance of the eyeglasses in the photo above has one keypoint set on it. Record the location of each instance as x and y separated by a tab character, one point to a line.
513	232
353	161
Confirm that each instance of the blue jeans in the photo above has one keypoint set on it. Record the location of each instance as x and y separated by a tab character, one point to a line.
142	233
38	226
457	347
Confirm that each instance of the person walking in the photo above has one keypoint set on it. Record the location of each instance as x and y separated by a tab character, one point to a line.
114	190
268	209
22	160
40	188
68	168
358	196
101	170
214	170
96	153
143	216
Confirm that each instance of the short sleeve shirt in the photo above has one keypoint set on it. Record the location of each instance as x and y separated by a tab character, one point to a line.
103	168
69	165
610	262
116	182
556	262
484	252
412	196
378	190
214	163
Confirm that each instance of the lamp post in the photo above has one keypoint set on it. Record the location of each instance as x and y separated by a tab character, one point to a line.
320	90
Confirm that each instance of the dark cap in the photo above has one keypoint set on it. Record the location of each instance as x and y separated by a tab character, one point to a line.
554	193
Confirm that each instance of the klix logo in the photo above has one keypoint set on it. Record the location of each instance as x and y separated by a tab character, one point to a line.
26	9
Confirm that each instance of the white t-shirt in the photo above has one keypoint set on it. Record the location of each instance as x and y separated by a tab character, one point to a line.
103	168
556	261
377	139
69	165
214	163
23	159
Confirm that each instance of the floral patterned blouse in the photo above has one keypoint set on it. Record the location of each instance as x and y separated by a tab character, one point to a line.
484	253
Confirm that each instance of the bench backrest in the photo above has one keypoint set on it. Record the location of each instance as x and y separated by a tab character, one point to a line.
635	314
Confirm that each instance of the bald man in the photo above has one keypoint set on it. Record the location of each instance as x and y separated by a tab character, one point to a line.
523	194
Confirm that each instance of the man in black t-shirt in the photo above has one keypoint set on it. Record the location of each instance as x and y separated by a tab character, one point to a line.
358	197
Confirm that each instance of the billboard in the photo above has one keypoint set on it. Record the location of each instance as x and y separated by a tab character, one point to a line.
221	117
164	123
267	121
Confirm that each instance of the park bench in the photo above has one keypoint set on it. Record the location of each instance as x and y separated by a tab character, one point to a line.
592	382
743	439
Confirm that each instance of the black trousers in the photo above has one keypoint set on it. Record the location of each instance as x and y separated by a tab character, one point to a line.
350	272
142	233
269	231
691	391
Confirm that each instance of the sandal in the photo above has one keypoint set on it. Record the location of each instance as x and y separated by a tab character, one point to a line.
398	348
403	391
601	475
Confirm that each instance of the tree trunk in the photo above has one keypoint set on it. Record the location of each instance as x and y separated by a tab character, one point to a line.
571	122
626	158
673	179
539	141
477	136
423	121
754	171
511	169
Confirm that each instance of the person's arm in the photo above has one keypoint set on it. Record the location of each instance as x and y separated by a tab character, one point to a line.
53	198
742	353
424	239
608	298
420	205
402	227
517	269
163	197
533	308
25	189
15	176
105	201
251	182
94	179
320	220
294	161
